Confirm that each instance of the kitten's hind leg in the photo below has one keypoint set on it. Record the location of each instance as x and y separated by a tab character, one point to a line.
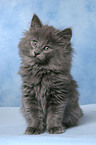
72	115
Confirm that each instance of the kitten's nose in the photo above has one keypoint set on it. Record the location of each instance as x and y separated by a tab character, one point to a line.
36	53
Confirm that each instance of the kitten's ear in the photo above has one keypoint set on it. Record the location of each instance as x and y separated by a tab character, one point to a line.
36	23
66	34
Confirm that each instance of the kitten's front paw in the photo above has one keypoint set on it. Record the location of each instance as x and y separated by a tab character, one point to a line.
56	130
33	130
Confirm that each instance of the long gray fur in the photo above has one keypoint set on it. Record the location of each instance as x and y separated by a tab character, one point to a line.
49	93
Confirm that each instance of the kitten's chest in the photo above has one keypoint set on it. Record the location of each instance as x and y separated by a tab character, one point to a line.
41	86
40	81
41	90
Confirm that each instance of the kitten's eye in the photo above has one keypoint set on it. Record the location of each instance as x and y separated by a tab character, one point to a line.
47	48
34	43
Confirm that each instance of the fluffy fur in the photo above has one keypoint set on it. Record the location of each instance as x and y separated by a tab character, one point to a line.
49	93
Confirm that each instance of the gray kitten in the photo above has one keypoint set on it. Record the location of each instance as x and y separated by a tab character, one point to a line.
49	93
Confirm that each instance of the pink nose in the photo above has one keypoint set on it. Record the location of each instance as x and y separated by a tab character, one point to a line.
36	53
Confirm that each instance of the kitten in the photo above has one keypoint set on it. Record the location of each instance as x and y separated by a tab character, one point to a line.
49	93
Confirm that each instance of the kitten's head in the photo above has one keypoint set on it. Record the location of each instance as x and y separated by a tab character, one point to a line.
46	46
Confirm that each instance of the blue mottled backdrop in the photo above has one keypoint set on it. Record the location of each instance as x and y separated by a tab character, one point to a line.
15	17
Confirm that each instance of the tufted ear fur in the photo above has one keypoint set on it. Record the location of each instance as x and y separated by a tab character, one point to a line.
66	34
36	23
